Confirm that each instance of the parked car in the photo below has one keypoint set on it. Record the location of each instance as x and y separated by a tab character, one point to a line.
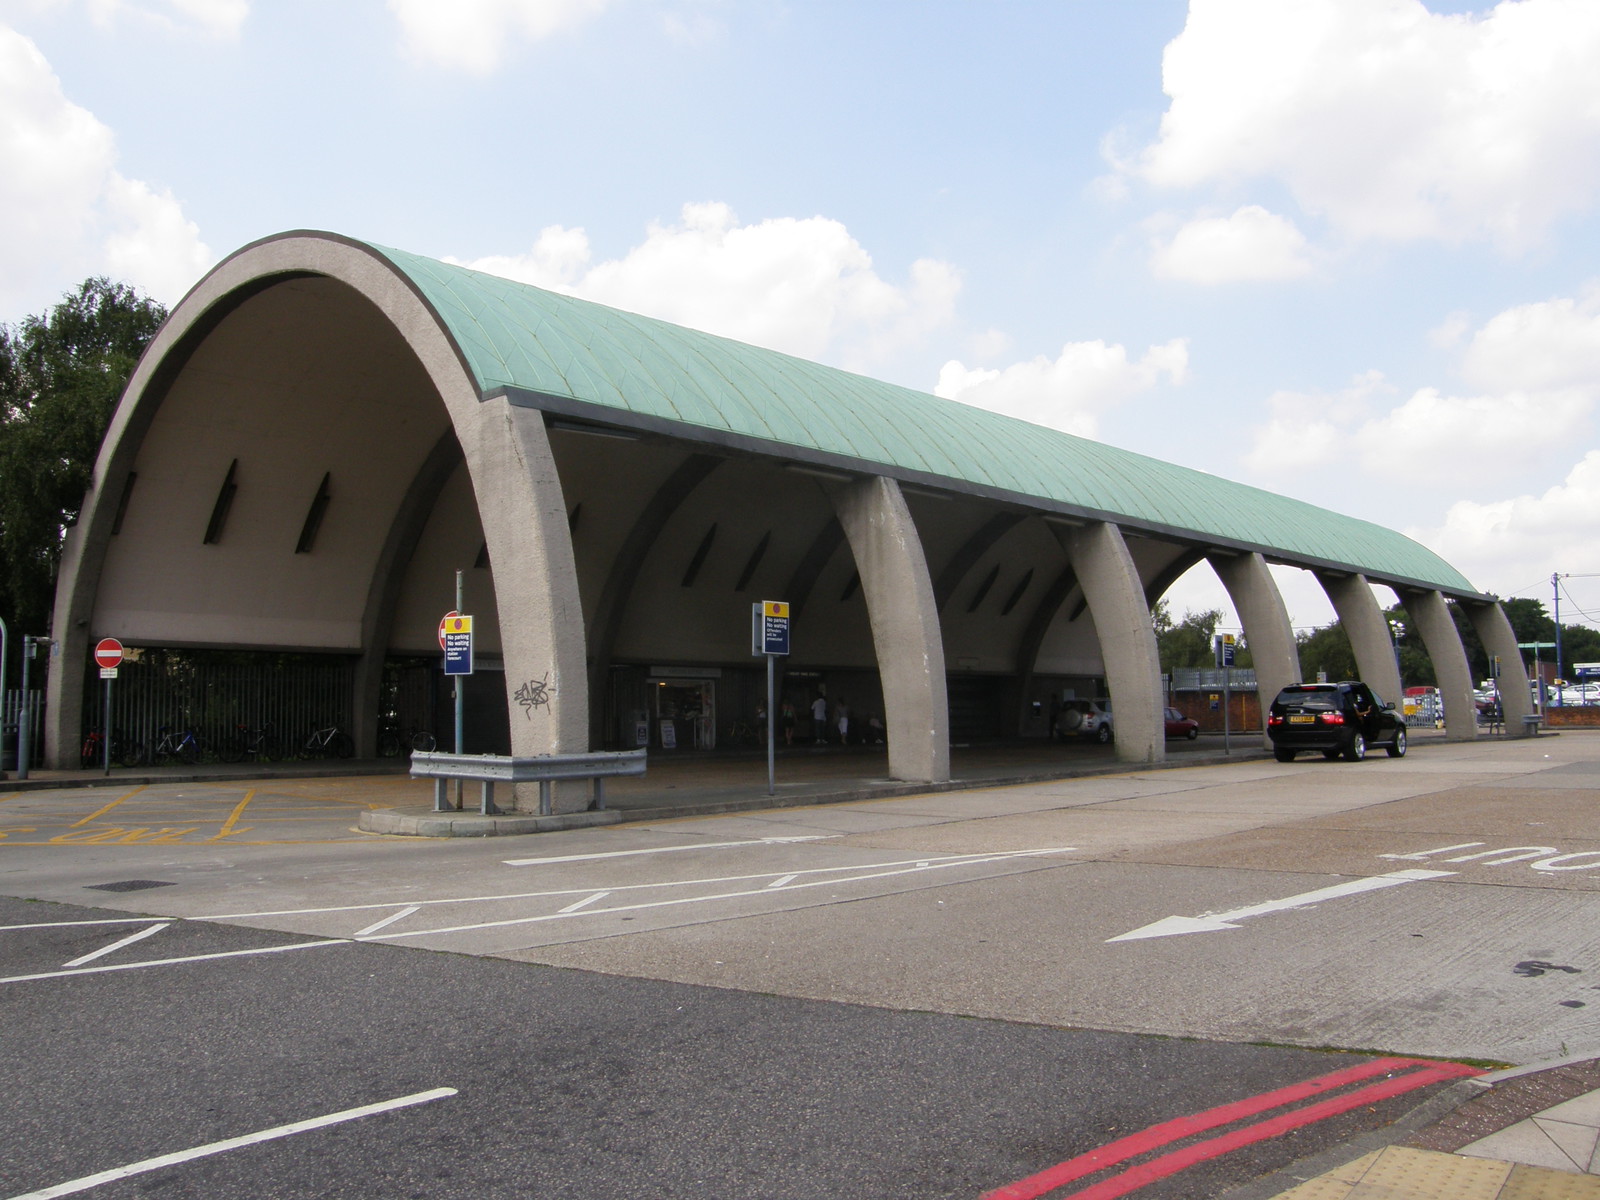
1086	719
1179	725
1336	718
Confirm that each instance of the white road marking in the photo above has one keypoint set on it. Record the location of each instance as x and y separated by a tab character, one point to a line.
235	1143
1213	922
901	869
766	841
1419	855
165	962
71	924
585	902
501	897
781	880
387	921
118	945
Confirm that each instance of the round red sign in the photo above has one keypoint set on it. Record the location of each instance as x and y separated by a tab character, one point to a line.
108	653
443	621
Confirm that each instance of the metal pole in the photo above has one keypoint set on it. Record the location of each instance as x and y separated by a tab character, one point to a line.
772	740
1227	706
460	704
22	718
105	743
1555	587
4	636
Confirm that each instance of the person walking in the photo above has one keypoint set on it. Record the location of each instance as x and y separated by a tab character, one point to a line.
819	719
841	712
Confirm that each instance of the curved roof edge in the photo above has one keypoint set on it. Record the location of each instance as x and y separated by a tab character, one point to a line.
588	361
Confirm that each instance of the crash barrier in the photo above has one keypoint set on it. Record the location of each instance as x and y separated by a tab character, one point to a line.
546	769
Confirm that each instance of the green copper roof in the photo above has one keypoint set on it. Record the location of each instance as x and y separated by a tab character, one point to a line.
648	372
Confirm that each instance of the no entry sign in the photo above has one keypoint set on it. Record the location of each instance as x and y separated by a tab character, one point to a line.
108	654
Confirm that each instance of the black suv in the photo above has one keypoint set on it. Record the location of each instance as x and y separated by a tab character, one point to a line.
1336	718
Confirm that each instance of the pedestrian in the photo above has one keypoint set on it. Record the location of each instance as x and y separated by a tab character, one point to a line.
788	723
819	719
841	712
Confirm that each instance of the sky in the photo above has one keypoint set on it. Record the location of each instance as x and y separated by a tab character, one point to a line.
1345	250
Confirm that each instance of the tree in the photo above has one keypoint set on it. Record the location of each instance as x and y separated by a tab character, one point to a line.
61	375
1327	650
1186	643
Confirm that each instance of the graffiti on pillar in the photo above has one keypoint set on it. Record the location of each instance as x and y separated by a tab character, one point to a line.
534	693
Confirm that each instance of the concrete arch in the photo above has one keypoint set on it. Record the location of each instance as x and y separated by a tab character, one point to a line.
504	447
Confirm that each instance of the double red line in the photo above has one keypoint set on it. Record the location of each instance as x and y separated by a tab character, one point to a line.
1405	1075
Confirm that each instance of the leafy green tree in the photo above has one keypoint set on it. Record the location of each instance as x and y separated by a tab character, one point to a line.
61	374
1186	643
1326	649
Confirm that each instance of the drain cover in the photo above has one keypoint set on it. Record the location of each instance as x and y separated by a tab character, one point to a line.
127	885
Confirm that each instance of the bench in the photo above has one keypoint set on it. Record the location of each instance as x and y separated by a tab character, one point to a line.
544	769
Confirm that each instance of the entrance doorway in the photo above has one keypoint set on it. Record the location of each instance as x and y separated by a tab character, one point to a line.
686	714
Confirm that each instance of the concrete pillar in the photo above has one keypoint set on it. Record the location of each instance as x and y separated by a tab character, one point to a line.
1498	638
1115	596
1431	615
1261	611
1364	624
535	579
905	625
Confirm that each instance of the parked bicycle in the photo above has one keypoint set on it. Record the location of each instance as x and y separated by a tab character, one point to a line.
125	751
327	742
391	741
185	746
258	745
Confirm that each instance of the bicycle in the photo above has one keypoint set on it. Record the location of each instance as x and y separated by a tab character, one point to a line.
325	743
184	747
390	740
125	751
258	744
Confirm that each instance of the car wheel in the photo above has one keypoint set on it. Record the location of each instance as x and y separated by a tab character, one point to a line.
1282	754
1103	734
1192	734
1356	750
1330	755
1398	748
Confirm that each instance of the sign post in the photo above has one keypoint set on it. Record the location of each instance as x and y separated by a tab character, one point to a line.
769	636
1225	648
108	657
455	639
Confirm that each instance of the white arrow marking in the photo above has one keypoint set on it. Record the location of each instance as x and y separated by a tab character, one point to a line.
1213	922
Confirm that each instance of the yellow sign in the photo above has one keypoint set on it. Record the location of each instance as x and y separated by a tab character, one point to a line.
775	608
458	624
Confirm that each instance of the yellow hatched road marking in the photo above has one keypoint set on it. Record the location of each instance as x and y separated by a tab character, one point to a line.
102	811
233	817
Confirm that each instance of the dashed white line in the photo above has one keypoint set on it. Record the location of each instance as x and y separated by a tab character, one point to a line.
118	945
585	902
781	880
250	1139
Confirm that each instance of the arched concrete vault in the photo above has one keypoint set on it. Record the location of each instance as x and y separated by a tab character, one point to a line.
324	430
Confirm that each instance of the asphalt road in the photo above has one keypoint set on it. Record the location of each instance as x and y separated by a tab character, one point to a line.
928	996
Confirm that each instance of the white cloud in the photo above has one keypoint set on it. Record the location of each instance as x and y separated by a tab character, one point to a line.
1532	376
803	286
1252	245
474	35
1389	120
1548	346
1068	392
1504	544
67	211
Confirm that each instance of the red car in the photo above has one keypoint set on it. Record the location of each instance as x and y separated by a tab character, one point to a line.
1179	725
